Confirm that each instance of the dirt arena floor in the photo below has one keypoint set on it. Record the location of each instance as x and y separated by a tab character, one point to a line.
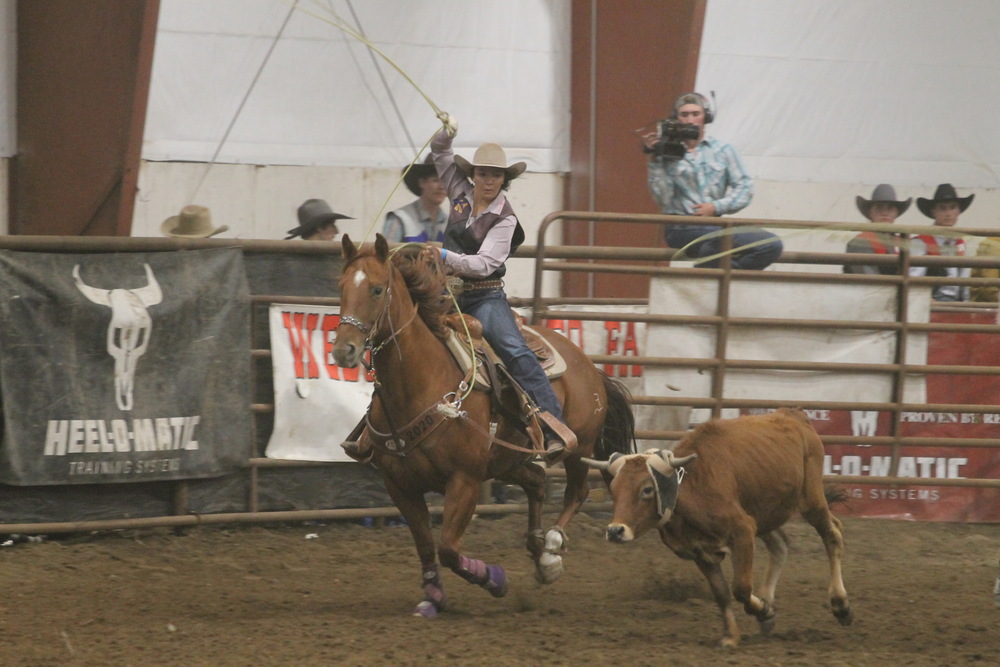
341	594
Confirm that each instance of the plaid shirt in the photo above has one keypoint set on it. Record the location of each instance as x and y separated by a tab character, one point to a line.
713	172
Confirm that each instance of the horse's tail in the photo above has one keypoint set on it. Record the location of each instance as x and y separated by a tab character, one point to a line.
618	432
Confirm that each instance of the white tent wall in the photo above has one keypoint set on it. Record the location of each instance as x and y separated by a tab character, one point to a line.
825	99
320	121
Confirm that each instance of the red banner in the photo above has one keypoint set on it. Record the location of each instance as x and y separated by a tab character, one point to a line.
933	503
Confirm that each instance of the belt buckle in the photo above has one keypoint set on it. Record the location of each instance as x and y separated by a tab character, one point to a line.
455	285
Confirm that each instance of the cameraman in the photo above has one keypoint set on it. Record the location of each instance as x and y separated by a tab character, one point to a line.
691	174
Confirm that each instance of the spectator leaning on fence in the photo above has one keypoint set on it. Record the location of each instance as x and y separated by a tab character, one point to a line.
193	222
423	219
693	174
317	221
944	209
884	208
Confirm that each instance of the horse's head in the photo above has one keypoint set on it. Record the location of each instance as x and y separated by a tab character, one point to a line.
365	290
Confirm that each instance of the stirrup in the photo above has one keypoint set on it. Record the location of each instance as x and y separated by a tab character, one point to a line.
360	452
560	440
357	445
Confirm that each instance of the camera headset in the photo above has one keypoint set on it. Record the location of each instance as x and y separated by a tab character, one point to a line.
700	100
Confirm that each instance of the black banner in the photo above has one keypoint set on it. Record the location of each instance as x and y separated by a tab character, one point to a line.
123	367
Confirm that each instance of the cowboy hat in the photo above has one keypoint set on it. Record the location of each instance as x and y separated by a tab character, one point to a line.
882	194
416	172
313	214
944	193
490	155
193	222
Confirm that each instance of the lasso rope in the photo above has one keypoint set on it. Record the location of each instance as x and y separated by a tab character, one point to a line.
332	18
336	21
408	248
886	228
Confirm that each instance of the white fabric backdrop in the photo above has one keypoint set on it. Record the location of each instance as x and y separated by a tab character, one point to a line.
500	66
857	91
812	301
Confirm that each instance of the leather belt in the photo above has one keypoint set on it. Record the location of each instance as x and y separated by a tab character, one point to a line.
471	285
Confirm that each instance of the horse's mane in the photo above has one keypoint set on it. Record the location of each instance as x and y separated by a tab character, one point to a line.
426	284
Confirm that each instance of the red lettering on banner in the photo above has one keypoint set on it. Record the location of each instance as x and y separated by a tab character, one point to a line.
300	327
330	323
629	346
572	329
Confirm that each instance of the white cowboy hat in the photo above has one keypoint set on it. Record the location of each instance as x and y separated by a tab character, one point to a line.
490	155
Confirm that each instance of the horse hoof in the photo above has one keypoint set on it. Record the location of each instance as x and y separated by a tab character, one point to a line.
549	568
766	624
426	609
497	583
844	616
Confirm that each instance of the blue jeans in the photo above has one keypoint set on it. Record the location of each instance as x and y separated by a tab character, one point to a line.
500	330
755	258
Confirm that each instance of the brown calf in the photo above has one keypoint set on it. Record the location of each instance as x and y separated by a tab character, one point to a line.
724	484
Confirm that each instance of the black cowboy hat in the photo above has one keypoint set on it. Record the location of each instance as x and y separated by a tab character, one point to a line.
882	194
313	214
945	192
411	178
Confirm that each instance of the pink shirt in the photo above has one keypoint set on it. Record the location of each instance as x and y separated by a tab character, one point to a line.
496	246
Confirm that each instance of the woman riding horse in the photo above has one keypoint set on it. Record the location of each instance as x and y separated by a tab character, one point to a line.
431	426
482	233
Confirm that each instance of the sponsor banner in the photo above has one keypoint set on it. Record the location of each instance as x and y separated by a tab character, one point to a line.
615	337
316	403
932	503
812	301
123	367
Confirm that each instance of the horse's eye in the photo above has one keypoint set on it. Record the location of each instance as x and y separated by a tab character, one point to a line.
377	290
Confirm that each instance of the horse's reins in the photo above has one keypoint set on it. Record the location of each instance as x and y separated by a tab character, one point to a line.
437	413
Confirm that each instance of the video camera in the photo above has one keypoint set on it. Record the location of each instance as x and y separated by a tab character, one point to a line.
670	137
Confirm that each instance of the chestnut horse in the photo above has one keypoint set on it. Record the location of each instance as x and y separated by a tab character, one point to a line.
394	307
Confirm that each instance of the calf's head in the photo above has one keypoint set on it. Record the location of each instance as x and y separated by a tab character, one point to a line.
644	491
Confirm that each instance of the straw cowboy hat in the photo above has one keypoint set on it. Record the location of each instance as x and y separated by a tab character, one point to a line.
883	194
944	193
416	172
490	155
313	214
194	222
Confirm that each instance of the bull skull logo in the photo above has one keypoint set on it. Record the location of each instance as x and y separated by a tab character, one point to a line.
130	328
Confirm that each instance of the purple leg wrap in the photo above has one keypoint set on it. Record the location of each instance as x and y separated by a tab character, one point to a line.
497	583
491	577
472	570
434	598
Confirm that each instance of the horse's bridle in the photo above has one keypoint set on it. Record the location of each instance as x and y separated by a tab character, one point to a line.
355	322
369	329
